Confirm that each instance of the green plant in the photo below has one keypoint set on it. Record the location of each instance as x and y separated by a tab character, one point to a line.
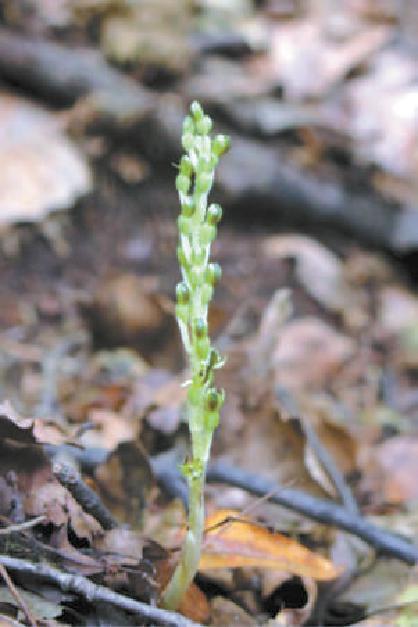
197	225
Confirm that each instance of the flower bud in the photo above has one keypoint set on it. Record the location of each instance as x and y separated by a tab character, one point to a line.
207	234
220	144
196	110
182	183
203	182
198	257
205	165
200	328
187	207
214	214
213	400
188	125
184	226
186	166
187	141
213	273
182	313
204	126
182	294
181	257
195	277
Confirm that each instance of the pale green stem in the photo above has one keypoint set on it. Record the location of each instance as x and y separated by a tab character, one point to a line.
190	554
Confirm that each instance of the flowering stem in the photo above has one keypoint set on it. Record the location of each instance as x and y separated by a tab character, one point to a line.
197	225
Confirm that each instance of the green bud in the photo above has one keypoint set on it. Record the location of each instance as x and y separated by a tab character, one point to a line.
220	144
213	400
207	234
187	207
204	126
181	257
211	420
195	277
186	166
198	257
214	214
192	469
182	183
196	110
205	165
203	182
203	347
206	292
213	273
200	328
182	313
187	141
182	294
214	160
184	225
188	125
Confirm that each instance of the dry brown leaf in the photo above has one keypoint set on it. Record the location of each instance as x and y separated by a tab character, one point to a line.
398	309
124	481
41	171
319	271
234	541
108	430
398	459
309	353
309	63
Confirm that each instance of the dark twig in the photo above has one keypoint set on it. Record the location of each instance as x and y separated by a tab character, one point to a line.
290	405
17	596
321	510
95	593
84	495
327	462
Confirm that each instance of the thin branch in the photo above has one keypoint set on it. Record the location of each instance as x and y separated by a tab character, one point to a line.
95	593
84	495
22	526
321	510
327	462
17	596
290	405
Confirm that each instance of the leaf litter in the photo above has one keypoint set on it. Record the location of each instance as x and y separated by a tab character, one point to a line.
320	339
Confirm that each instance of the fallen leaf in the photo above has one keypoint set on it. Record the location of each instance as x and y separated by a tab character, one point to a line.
309	353
39	607
309	64
233	541
225	612
318	270
398	460
41	170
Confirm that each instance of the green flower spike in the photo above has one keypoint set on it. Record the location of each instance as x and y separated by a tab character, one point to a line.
197	225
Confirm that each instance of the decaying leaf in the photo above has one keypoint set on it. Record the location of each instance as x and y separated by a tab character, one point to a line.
41	170
234	541
308	353
317	268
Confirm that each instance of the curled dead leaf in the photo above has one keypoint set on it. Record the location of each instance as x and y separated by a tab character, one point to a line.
233	541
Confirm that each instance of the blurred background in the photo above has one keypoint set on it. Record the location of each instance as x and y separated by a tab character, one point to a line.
320	198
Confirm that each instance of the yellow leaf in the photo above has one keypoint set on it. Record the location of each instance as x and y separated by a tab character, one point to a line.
233	541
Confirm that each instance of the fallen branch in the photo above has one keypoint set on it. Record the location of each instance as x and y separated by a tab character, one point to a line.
17	596
166	472
95	593
84	495
321	510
